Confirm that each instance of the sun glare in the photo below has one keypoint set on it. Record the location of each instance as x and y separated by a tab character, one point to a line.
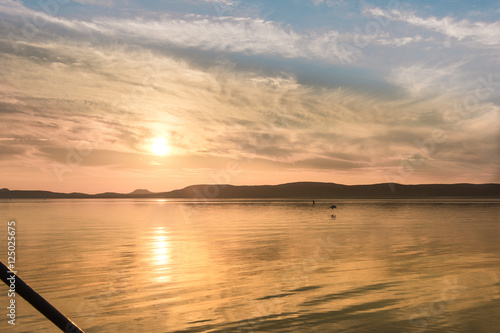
159	146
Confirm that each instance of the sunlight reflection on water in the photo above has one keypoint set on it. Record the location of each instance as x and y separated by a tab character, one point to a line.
161	254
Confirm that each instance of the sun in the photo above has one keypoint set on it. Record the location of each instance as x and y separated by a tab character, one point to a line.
159	146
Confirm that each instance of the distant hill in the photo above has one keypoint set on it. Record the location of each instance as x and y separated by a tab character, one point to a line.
301	190
140	192
312	190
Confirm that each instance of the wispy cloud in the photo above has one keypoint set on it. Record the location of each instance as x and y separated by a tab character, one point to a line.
486	33
332	3
102	3
387	40
426	80
218	34
110	85
482	32
212	112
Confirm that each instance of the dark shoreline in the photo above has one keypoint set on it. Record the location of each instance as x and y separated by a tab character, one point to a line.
301	190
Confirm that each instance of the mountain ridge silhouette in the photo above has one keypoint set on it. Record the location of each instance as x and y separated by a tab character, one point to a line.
296	190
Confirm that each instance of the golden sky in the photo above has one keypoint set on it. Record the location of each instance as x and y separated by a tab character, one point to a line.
119	95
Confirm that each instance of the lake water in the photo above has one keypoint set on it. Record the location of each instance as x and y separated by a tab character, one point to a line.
258	265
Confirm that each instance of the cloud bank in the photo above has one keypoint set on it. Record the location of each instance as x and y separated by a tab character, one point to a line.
82	98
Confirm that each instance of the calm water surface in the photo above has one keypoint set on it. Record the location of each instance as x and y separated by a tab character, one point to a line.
259	265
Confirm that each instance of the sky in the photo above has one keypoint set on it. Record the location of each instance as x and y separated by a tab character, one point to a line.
116	95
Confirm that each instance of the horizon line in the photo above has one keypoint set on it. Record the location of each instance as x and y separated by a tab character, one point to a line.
215	184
